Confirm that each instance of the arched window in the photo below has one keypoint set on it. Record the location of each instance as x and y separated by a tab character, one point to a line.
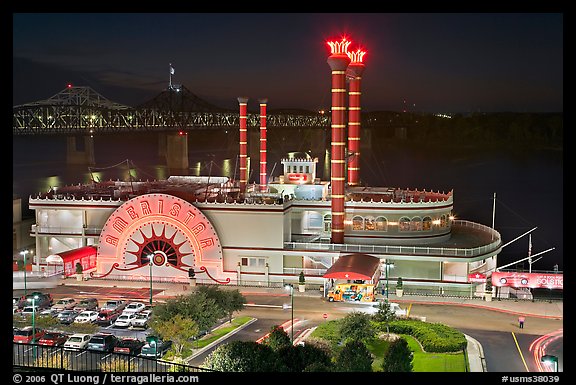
404	224
328	222
427	224
357	223
369	224
443	220
416	224
381	224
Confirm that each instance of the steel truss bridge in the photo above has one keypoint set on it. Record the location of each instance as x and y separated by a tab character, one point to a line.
81	110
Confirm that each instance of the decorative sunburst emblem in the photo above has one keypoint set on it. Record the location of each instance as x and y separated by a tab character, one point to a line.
162	242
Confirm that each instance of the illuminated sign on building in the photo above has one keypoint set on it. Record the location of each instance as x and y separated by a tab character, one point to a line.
160	225
477	277
298	177
532	280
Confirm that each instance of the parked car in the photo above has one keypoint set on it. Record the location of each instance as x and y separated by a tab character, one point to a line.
42	300
87	316
107	317
77	341
114	304
160	349
87	304
124	320
102	342
49	313
67	316
67	303
141	319
29	311
26	335
129	345
134	307
53	339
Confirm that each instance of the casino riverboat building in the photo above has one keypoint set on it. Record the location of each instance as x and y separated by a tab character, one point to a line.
246	233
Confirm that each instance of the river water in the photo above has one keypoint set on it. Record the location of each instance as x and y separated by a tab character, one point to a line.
528	184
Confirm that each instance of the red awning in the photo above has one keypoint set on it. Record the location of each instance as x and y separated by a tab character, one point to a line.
77	253
354	266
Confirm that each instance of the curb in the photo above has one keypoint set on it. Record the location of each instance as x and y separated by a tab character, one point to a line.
219	340
477	362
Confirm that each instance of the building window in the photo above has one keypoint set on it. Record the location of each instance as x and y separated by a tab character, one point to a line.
443	221
357	223
254	262
416	224
427	224
307	169
404	224
328	223
381	224
369	224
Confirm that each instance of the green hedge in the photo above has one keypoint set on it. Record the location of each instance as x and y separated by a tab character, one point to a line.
434	337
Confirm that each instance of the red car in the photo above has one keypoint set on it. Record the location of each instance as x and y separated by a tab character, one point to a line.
53	339
107	317
25	335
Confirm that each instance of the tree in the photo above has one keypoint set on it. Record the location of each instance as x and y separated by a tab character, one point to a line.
383	314
242	356
398	357
228	301
357	326
278	338
301	278
197	307
79	268
298	358
354	357
178	329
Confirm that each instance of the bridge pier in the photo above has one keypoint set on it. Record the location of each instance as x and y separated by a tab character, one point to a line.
177	151
84	155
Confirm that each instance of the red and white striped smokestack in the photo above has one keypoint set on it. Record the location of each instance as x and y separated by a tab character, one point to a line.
338	61
354	73
243	142
263	178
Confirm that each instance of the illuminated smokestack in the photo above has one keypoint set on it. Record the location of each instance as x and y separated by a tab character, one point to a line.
263	179
243	142
338	61
354	73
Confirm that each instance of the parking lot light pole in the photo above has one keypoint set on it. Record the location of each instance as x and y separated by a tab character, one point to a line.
23	253
291	288
387	267
150	263
33	300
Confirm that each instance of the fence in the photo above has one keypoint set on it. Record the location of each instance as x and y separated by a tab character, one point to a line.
37	357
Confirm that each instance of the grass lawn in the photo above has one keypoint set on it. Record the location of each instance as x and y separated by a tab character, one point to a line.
221	331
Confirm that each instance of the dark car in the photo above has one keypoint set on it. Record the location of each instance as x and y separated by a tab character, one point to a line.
87	304
116	305
149	350
102	342
53	339
41	300
129	345
67	316
107	317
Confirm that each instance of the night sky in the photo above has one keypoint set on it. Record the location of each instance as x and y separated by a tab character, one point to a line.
439	62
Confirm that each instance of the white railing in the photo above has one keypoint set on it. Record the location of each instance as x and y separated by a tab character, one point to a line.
407	250
307	272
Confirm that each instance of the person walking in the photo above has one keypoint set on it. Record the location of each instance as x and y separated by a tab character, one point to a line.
521	320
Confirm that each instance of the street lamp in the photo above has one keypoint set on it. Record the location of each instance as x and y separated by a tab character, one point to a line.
33	300
387	267
291	288
150	263
23	253
550	360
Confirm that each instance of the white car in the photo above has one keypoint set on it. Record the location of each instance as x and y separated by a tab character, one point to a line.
77	341
141	319
87	316
133	308
125	320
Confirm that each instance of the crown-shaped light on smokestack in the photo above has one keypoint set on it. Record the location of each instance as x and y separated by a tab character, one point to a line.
356	56
339	47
